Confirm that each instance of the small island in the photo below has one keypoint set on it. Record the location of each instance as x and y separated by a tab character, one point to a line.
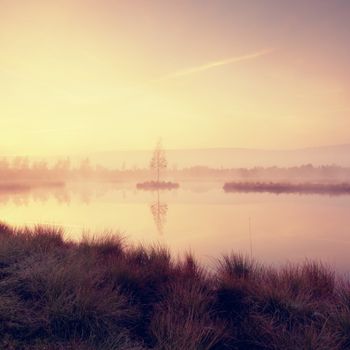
155	185
285	187
157	164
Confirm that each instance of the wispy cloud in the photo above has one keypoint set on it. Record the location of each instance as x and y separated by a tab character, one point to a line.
55	131
210	65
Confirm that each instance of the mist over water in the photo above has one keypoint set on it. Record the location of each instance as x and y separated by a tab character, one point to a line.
199	217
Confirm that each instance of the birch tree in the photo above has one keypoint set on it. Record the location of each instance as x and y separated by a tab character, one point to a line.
158	161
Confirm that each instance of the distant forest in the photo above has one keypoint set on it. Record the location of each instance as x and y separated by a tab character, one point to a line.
23	169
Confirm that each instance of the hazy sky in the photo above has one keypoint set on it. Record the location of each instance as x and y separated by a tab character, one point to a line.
90	75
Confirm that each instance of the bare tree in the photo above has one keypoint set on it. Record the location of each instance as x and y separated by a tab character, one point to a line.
158	161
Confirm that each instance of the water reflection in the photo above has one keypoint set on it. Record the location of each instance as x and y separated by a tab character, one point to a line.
39	195
202	218
62	195
159	212
49	201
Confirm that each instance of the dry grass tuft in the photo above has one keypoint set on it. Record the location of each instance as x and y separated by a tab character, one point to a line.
103	294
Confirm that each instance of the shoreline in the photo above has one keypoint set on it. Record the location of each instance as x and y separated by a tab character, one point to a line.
342	188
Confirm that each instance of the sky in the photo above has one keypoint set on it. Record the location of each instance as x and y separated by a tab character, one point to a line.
79	76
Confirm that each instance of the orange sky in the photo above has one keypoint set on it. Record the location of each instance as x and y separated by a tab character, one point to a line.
86	75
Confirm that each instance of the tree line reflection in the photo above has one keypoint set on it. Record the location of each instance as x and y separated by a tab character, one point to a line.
23	197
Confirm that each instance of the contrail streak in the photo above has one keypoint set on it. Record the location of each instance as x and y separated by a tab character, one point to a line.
204	67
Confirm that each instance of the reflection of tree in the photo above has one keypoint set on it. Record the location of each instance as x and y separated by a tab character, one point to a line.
159	211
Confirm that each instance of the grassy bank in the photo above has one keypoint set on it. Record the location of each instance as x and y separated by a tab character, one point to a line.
101	294
286	187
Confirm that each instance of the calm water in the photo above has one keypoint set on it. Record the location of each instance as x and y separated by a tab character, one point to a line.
199	218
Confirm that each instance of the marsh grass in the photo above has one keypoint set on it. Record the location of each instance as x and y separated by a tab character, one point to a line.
331	189
101	293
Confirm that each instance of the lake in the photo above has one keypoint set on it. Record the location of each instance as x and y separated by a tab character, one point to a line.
200	218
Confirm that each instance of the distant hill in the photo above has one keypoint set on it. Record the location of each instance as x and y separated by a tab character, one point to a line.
230	157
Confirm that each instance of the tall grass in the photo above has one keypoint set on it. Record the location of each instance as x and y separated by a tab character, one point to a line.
102	294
